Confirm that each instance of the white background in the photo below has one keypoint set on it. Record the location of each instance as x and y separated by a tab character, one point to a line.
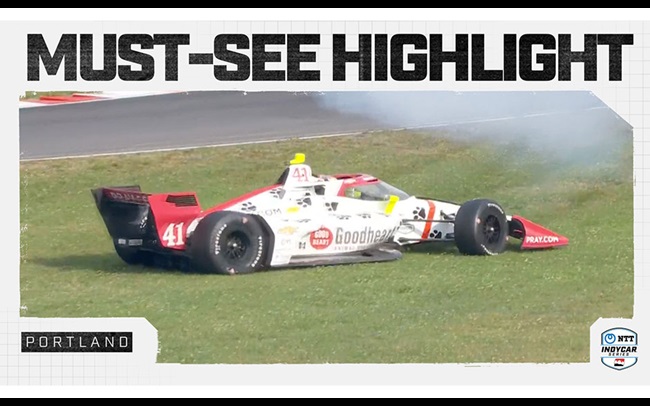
455	381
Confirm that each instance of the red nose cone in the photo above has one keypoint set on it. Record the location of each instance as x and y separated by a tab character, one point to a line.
536	236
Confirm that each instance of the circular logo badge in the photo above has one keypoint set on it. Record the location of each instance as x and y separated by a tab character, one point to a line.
321	238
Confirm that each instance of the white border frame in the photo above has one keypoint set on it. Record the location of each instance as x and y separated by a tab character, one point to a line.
598	381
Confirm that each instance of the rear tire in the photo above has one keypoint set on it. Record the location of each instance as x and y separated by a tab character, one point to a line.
481	228
229	243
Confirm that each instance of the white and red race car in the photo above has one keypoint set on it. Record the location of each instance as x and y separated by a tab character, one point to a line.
303	219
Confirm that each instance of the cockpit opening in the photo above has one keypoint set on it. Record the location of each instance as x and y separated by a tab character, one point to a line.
375	191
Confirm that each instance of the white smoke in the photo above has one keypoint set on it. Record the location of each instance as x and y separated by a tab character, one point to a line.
568	125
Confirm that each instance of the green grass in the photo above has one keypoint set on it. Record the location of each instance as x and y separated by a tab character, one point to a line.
432	306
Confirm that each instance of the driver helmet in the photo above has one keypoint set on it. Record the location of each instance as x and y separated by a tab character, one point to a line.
352	192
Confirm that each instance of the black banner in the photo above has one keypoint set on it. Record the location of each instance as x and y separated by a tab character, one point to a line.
77	342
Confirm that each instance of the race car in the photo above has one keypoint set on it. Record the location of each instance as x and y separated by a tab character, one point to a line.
303	220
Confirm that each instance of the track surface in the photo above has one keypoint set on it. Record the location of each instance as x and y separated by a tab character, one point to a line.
561	121
177	120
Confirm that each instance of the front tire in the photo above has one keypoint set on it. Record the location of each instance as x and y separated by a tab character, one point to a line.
229	243
481	228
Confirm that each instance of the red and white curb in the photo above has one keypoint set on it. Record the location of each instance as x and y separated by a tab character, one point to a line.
84	98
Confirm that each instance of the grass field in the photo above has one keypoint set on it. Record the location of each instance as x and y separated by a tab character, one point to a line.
432	306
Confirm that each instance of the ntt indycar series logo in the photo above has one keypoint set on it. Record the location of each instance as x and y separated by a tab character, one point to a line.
618	348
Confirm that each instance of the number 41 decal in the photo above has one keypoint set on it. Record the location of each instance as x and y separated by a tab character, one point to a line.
300	173
173	235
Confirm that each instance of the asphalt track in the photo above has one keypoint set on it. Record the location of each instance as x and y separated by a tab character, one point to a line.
561	121
178	120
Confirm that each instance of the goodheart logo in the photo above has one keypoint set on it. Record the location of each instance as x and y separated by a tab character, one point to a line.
321	238
542	239
368	235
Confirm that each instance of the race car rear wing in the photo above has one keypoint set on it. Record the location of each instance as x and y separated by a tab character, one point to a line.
125	211
132	215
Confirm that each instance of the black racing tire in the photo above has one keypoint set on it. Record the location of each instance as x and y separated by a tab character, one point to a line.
229	243
481	228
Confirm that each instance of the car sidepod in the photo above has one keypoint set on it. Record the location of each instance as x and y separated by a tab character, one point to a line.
333	239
